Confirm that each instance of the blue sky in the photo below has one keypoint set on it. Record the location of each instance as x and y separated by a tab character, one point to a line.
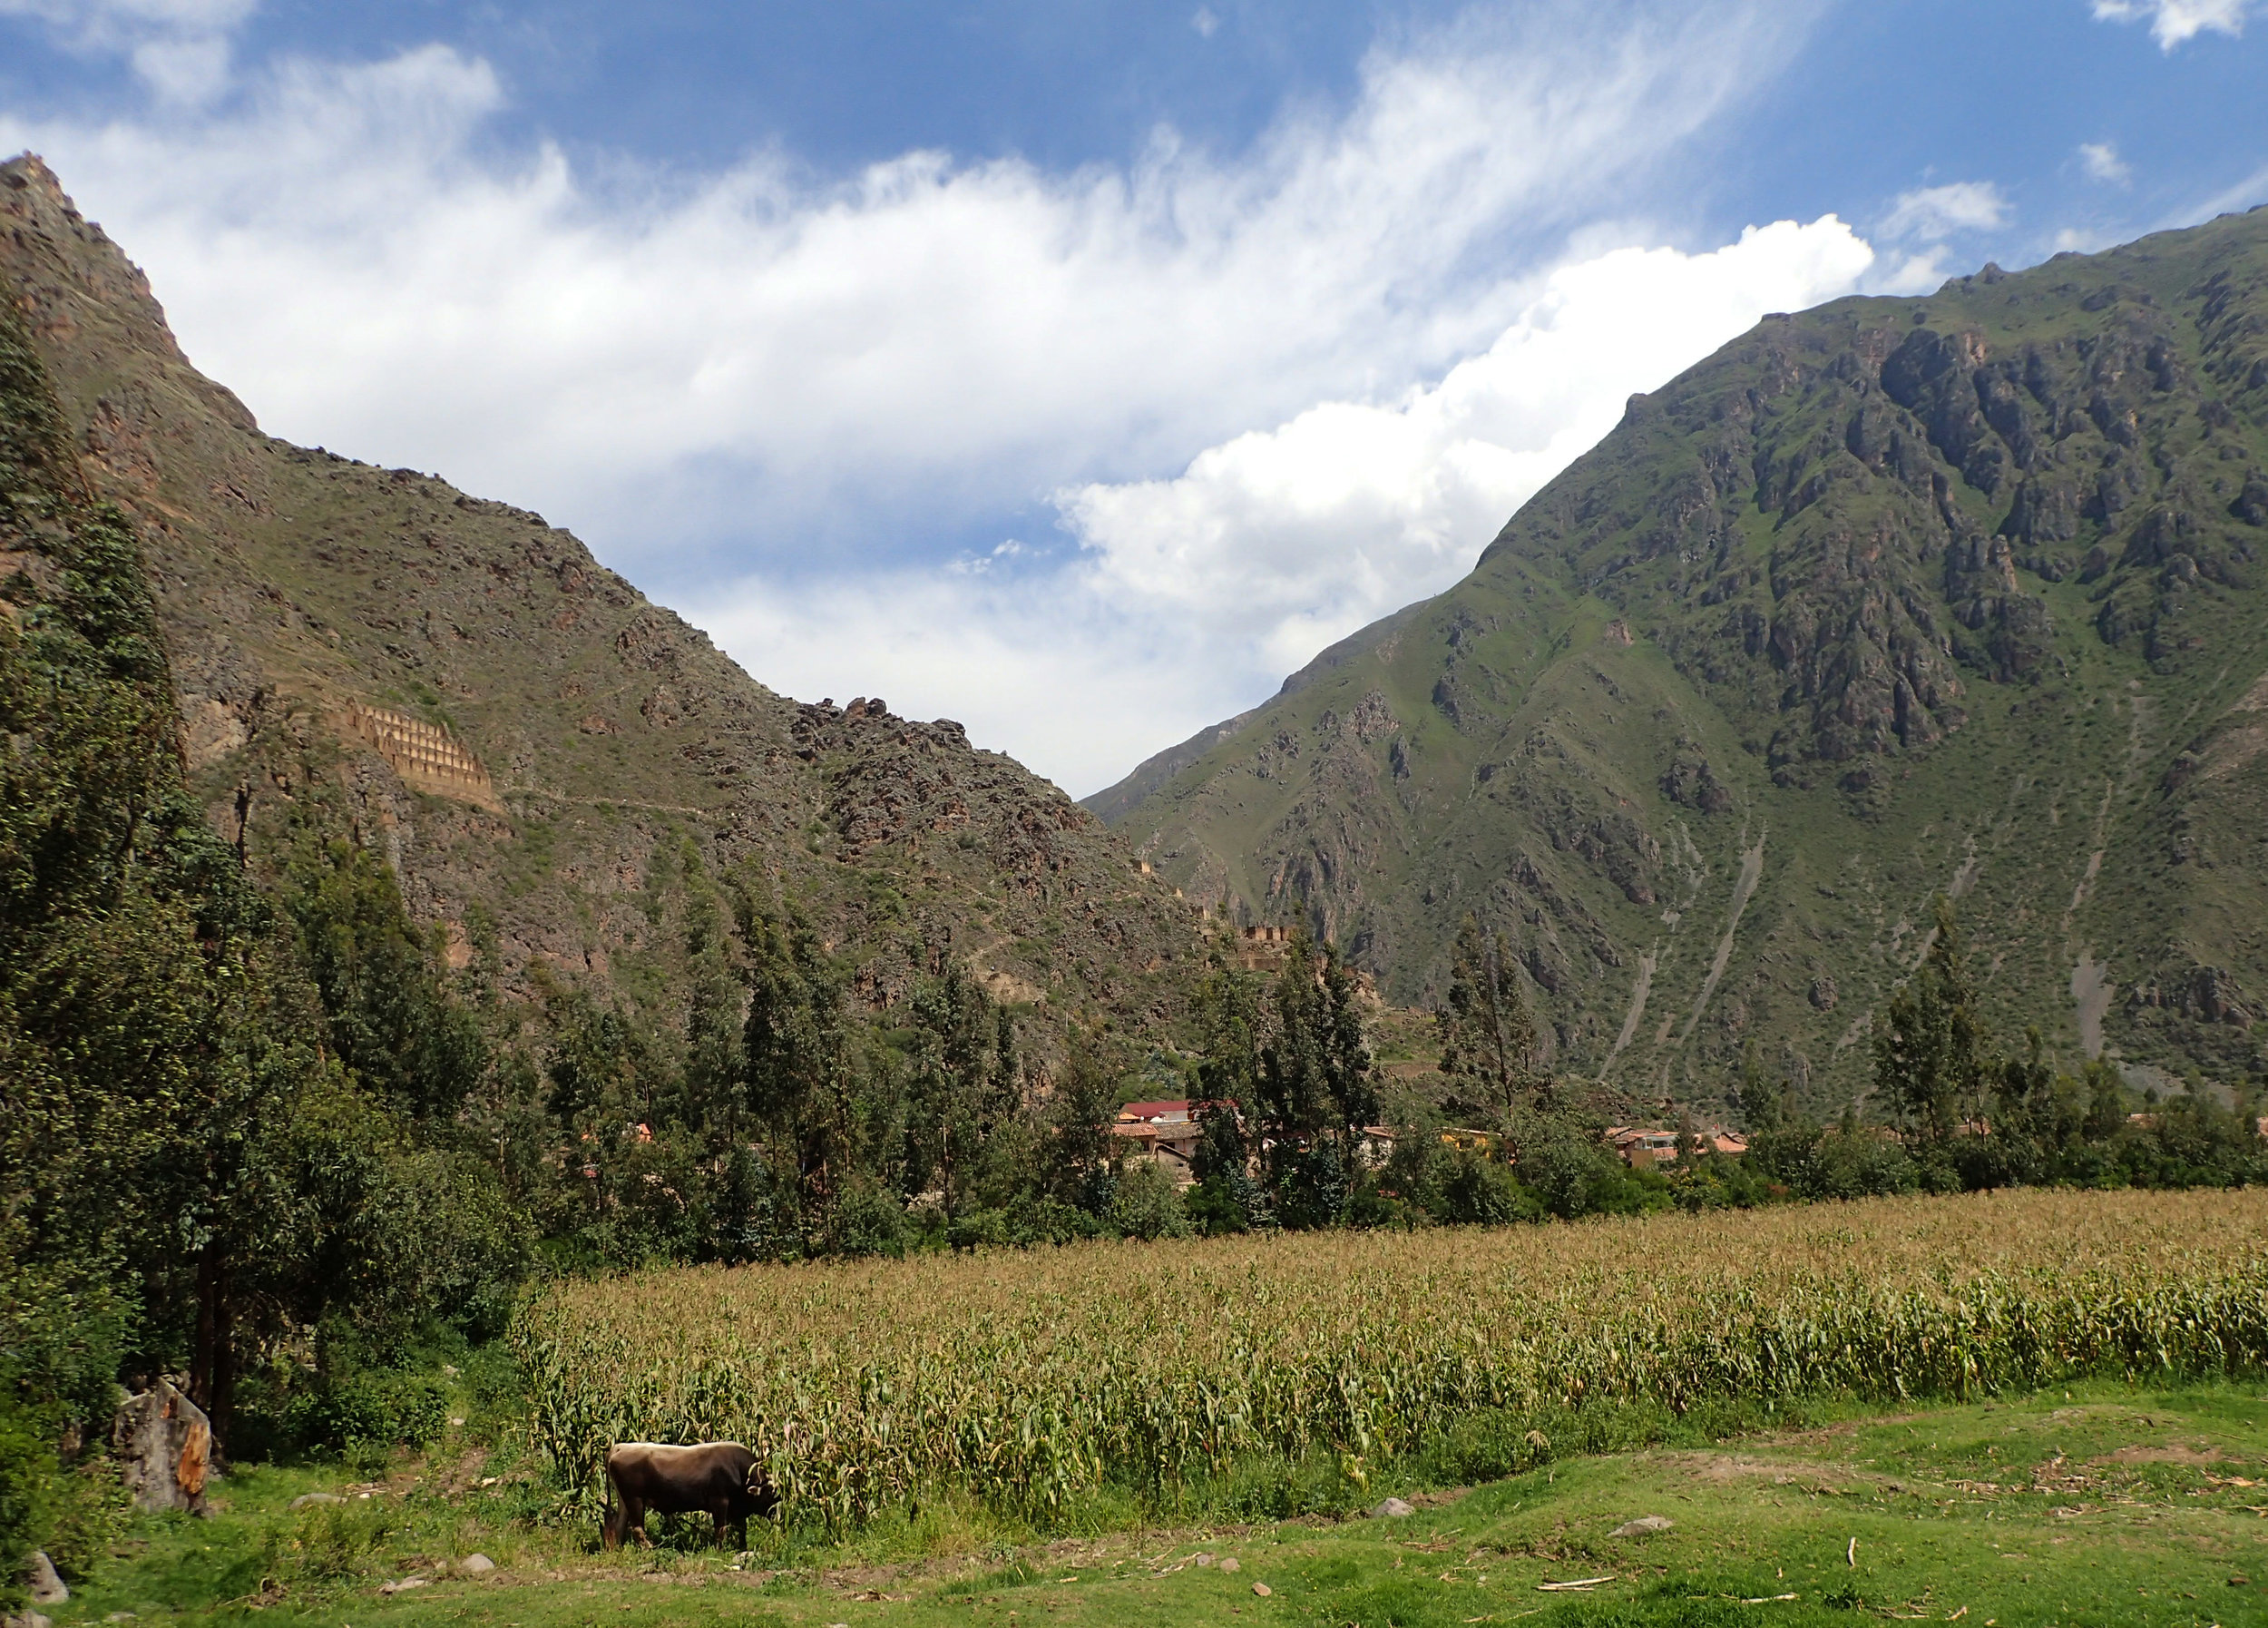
1075	368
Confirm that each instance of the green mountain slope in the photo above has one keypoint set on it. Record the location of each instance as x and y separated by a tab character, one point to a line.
571	737
1961	594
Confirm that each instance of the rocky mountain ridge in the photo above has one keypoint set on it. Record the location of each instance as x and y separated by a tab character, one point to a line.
1893	597
535	746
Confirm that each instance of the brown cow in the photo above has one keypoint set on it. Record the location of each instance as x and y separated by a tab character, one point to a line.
722	1477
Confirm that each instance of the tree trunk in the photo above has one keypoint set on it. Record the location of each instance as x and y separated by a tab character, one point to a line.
213	1364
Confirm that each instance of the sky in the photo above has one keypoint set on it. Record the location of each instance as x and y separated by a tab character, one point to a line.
1073	369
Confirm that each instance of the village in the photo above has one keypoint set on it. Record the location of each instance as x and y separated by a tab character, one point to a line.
1166	1133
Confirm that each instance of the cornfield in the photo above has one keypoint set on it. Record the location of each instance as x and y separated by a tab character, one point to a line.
1029	1377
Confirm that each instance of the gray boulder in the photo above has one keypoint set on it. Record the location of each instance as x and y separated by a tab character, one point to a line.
1645	1526
48	1588
26	1619
475	1565
163	1444
309	1500
1392	1509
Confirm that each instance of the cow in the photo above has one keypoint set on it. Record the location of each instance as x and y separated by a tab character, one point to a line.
722	1477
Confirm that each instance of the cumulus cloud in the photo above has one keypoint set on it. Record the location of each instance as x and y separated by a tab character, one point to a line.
180	48
1276	542
926	332
2101	161
1299	533
791	401
2173	22
1930	213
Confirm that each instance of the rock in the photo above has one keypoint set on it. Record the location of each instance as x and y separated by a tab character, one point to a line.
309	1500
27	1619
1643	1526
401	1586
1392	1509
48	1588
1230	1564
475	1565
163	1442
122	1616
1262	1589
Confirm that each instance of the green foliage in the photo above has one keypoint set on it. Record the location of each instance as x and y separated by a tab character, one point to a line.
388	1016
30	1486
1314	1094
91	1511
1488	1039
1148	1205
1929	1061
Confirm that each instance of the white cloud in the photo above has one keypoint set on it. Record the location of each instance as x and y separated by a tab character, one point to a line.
1930	213
801	372
1294	536
2101	161
923	333
180	48
1276	542
1205	22
2173	22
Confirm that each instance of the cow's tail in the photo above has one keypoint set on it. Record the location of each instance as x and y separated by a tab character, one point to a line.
607	1535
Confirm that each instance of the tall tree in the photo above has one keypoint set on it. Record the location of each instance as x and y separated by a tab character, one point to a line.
1314	1090
1488	1038
1930	1070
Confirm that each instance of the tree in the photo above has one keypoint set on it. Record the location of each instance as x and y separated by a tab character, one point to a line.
1766	1105
1314	1091
1930	1064
1081	1161
964	1088
1488	1037
385	1006
802	1085
716	1057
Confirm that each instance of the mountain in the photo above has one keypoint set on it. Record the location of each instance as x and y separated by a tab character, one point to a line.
538	750
1958	595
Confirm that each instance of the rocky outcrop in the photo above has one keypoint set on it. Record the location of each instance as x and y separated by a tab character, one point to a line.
162	1443
1955	594
459	684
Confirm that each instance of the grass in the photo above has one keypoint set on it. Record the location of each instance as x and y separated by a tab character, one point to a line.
2103	1504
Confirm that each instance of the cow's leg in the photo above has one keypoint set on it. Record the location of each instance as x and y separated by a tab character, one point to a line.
635	1513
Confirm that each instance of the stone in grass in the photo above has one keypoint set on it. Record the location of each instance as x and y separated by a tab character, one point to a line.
28	1619
1263	1589
475	1565
401	1586
1230	1564
1392	1509
48	1588
1644	1526
309	1500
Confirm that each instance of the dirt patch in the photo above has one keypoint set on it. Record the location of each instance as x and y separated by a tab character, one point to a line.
1723	1468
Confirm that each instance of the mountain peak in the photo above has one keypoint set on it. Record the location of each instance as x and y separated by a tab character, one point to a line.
1886	599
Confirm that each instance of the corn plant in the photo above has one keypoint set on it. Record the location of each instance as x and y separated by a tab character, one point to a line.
1030	1377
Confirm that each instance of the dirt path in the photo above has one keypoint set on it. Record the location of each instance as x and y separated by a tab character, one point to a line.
1744	889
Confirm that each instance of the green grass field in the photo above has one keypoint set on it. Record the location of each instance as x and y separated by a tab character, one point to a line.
2101	1505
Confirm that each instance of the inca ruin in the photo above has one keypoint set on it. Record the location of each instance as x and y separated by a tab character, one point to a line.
426	755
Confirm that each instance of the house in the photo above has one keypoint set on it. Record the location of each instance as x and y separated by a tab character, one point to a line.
1639	1146
1165	1133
